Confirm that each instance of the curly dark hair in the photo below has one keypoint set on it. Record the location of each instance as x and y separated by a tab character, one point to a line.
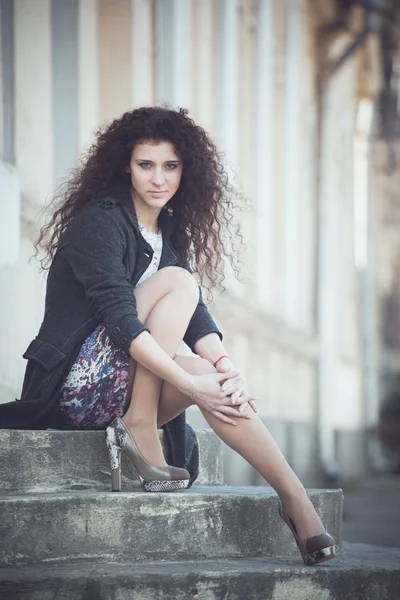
203	206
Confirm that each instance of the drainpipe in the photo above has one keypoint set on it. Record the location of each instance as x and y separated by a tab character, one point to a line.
371	6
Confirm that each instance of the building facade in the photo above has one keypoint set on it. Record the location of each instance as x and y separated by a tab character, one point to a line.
293	111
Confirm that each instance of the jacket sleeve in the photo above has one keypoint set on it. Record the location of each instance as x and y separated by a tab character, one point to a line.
94	246
201	322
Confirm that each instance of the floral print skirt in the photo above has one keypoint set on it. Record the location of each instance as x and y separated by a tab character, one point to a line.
95	390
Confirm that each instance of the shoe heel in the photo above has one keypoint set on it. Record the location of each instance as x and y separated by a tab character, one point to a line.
115	463
319	555
314	558
153	479
164	486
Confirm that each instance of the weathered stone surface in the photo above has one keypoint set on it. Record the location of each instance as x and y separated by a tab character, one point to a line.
358	573
194	524
56	461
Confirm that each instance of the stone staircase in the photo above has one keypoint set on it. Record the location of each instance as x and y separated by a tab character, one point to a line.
65	536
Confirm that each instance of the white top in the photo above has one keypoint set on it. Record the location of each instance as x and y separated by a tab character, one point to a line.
156	242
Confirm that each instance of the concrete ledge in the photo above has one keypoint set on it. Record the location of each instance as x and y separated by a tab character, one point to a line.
194	524
359	573
57	461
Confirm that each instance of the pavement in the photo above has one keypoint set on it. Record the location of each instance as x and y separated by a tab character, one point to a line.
371	513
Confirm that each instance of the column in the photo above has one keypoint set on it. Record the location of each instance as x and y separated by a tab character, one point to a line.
204	68
292	193
228	87
33	100
174	52
115	55
328	280
7	97
365	256
264	162
143	53
64	53
88	72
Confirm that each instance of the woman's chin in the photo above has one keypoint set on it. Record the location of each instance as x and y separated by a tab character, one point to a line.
157	202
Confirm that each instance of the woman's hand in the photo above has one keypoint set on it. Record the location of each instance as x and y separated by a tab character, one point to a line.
208	394
239	395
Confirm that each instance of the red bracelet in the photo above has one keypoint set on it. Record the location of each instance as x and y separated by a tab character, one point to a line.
220	358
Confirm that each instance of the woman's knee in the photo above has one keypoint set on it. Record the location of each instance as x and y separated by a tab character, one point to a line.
165	281
181	280
202	366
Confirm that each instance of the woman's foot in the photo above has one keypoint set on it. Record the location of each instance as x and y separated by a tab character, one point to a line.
303	514
147	440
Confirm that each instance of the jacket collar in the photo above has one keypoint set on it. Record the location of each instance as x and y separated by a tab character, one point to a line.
164	218
168	256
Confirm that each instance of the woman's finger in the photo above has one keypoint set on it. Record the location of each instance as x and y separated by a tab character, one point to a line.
253	405
235	391
234	412
232	386
239	397
224	365
230	382
237	394
225	376
223	418
226	399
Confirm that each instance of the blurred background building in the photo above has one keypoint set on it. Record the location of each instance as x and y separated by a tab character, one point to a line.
301	96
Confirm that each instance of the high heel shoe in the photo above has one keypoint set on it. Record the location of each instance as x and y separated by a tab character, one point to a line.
153	479
314	550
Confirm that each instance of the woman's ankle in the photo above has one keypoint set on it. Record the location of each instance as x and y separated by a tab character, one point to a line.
145	436
292	497
139	422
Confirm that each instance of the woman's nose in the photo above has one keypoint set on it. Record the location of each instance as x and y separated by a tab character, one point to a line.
158	177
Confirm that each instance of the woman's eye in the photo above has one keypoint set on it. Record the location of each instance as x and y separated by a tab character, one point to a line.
145	165
170	166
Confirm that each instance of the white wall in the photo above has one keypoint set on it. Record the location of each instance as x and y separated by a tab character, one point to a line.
10	212
247	71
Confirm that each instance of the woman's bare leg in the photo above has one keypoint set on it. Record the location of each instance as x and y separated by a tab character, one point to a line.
165	303
252	440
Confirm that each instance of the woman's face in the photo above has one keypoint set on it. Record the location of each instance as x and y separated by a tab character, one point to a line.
156	172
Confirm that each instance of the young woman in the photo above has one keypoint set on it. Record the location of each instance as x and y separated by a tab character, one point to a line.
150	201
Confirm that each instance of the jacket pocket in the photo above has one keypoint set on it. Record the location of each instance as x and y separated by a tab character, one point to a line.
43	353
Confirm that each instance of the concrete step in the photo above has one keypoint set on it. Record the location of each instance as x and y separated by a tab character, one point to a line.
358	573
57	461
207	522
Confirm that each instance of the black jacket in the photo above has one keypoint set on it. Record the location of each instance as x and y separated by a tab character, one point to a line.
100	258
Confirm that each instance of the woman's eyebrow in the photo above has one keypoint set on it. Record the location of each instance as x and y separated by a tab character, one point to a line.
173	160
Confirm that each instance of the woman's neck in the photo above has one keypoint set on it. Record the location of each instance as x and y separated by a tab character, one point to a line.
149	225
146	217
